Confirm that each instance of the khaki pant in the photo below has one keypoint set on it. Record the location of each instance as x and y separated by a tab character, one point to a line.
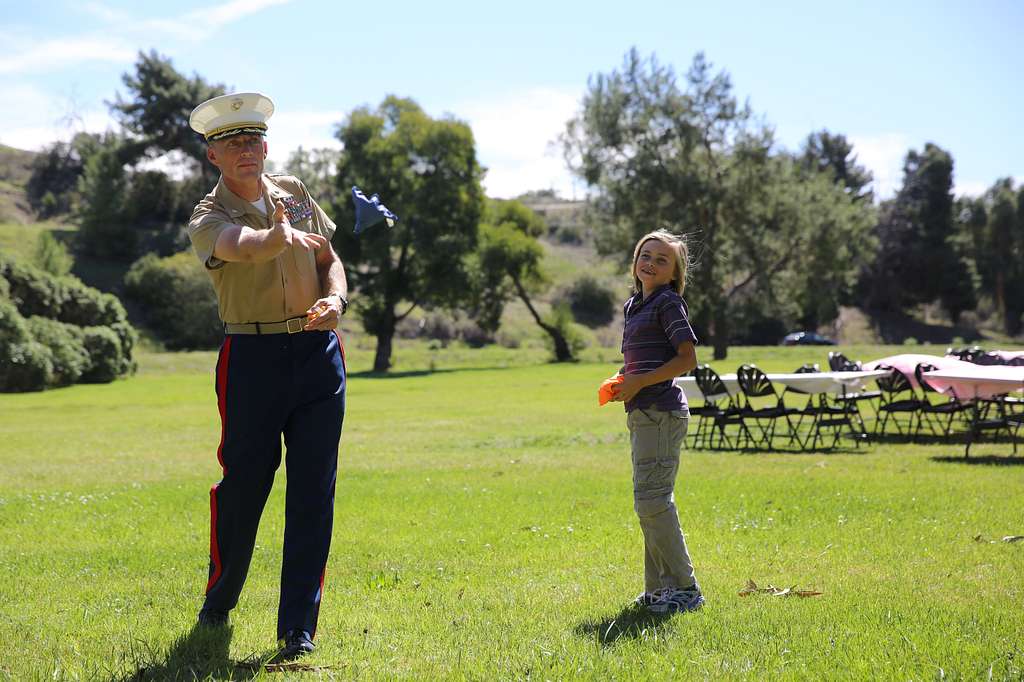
656	437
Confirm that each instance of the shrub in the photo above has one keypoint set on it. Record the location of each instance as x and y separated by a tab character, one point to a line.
69	357
36	292
178	300
51	256
25	365
106	360
13	328
591	302
45	352
33	291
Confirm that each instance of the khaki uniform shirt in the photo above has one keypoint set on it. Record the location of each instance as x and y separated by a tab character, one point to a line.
278	289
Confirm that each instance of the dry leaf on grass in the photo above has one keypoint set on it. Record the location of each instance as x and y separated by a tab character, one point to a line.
752	588
1006	538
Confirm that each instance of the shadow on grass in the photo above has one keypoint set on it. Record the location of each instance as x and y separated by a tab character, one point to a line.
370	374
200	654
983	460
632	622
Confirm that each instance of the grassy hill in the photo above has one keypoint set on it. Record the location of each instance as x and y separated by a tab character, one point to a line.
15	169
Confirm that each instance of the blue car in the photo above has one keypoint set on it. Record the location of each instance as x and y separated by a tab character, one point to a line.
806	339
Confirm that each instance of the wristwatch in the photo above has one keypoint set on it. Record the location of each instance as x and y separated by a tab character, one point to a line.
343	301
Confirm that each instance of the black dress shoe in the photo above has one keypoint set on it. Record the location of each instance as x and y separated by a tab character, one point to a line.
294	644
213	619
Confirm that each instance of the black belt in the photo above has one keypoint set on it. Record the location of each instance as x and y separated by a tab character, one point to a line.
291	326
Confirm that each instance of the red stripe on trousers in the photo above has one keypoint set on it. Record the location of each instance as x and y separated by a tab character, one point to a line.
222	397
222	403
214	548
341	345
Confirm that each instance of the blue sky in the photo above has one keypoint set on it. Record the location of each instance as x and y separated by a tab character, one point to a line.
888	75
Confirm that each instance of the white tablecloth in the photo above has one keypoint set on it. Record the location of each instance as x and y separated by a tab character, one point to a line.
811	382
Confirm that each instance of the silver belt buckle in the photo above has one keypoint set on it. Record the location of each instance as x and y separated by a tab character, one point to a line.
298	325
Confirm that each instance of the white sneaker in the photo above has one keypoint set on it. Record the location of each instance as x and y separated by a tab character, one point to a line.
645	599
675	600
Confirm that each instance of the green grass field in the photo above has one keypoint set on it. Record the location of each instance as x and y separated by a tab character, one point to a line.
484	530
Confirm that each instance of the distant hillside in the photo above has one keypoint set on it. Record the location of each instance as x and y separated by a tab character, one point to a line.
566	219
15	169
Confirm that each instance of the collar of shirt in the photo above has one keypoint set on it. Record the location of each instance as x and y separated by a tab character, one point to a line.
638	301
236	205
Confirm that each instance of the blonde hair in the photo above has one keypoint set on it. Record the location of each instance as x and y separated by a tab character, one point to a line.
678	245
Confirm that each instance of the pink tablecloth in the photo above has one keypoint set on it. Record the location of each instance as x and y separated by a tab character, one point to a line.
907	362
977	381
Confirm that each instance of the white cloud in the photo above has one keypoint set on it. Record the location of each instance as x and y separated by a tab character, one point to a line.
41	118
60	52
514	136
104	13
289	130
972	188
200	24
119	40
882	155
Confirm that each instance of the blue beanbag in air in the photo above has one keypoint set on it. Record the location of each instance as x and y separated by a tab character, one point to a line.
370	211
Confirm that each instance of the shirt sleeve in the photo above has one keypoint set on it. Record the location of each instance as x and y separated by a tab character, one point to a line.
204	228
672	313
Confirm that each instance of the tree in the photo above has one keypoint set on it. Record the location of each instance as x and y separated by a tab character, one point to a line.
689	160
824	152
103	187
508	265
52	186
993	226
427	172
155	112
317	169
917	259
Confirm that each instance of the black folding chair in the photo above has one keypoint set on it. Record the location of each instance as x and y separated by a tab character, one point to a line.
719	409
705	411
897	399
755	384
825	413
992	414
933	412
838	362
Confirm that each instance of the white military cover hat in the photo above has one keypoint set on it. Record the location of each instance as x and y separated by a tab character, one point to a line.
241	112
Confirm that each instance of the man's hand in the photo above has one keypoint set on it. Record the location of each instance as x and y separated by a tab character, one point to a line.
324	315
304	240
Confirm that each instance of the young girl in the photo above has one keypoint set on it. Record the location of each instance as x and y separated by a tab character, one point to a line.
657	346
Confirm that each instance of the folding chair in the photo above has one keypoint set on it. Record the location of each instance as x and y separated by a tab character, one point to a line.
932	412
719	408
838	362
984	420
824	414
897	398
755	384
704	411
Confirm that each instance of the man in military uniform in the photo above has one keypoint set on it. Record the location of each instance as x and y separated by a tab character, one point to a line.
281	291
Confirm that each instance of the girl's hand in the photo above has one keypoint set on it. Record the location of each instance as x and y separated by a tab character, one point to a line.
630	386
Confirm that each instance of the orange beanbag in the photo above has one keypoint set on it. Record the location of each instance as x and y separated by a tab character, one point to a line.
608	389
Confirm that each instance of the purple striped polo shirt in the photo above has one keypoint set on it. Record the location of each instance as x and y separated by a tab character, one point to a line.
651	336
